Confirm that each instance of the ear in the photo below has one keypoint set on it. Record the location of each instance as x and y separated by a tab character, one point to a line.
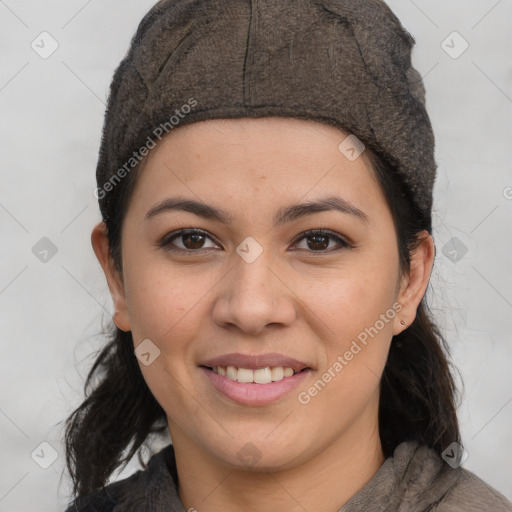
414	285
100	245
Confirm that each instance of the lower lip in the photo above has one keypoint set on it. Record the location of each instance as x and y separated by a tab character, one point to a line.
254	394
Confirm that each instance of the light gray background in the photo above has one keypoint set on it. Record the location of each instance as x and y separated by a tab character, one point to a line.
51	118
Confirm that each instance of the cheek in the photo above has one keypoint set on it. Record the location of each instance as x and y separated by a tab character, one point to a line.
355	312
164	305
163	302
349	299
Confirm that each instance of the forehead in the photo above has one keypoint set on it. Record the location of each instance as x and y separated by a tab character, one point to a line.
259	130
255	162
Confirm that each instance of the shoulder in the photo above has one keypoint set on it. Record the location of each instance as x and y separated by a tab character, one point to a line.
108	497
472	494
134	491
417	478
428	483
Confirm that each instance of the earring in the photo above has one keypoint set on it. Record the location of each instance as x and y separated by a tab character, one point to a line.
402	322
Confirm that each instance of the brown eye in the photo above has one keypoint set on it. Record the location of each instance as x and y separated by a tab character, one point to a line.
192	240
318	241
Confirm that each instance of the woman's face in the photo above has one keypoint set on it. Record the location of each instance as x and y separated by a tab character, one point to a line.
254	291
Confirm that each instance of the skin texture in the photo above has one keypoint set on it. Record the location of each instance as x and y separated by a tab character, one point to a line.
300	297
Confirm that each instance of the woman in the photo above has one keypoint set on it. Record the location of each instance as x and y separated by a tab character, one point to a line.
265	182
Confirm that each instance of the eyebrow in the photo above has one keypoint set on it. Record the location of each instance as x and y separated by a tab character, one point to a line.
284	215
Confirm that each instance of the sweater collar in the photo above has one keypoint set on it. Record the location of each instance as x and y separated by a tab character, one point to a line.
401	481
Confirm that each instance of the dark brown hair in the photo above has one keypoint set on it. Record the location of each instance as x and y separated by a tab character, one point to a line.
418	394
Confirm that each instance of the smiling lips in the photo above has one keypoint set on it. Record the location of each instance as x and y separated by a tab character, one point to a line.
258	376
254	379
259	369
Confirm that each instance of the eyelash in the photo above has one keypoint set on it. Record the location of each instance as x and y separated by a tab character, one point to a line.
166	241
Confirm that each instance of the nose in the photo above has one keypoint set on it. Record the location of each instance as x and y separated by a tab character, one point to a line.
255	295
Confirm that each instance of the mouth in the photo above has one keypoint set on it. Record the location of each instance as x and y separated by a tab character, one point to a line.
254	379
264	375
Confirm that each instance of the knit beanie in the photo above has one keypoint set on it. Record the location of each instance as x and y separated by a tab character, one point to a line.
342	62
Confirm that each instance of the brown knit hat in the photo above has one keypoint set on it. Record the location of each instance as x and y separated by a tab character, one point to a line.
343	62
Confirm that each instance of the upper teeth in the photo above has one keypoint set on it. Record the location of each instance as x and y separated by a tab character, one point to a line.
259	376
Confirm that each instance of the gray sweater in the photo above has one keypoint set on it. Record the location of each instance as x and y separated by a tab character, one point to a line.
414	479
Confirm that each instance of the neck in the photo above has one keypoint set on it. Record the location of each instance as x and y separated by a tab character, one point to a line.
324	483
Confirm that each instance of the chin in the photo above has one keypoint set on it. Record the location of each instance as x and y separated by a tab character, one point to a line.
259	455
